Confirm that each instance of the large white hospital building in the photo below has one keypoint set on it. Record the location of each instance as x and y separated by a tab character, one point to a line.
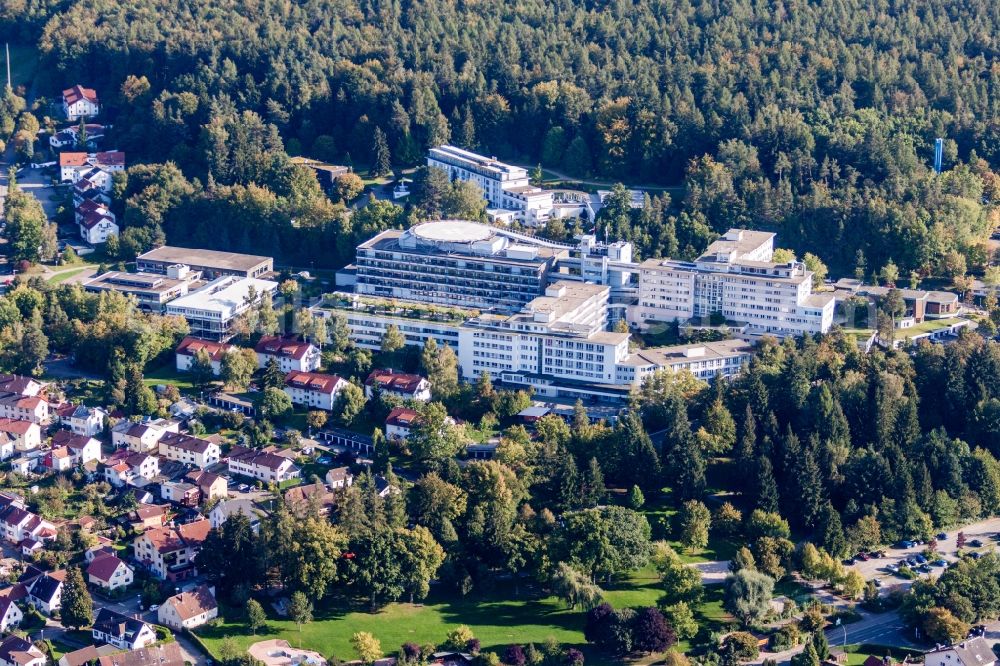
505	187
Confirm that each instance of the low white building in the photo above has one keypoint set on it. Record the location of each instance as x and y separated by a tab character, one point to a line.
79	102
188	610
313	389
212	310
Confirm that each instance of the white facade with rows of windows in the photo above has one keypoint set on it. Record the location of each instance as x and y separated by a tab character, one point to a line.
505	187
735	278
557	344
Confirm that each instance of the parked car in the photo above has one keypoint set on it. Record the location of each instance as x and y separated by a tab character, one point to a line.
877	582
862	556
939	563
906	544
892	568
976	543
920	559
975	556
941	536
876	554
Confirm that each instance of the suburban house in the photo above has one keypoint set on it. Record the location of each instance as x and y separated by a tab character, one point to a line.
45	591
18	524
189	348
16	651
290	353
144	436
188	610
403	385
94	168
339	478
122	631
10	614
24	407
80	102
189	450
96	222
148	516
231	507
263	465
21	385
82	448
125	468
110	573
304	499
313	389
399	422
169	552
58	459
26	435
70	137
167	654
180	492
970	652
85	420
212	486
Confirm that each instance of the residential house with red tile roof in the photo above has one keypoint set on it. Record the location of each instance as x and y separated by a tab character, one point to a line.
16	651
25	407
190	346
188	610
95	168
169	552
126	468
212	486
27	436
110	572
290	353
80	102
401	384
82	448
313	389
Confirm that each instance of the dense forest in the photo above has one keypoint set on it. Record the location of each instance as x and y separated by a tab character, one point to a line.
813	119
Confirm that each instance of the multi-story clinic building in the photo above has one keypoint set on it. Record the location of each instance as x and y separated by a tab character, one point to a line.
557	344
505	187
458	263
736	278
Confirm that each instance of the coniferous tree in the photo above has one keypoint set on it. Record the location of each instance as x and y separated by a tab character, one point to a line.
77	608
765	489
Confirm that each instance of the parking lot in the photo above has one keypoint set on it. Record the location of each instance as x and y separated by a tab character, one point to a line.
875	568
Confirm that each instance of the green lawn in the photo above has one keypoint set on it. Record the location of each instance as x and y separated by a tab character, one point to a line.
65	275
496	622
167	374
